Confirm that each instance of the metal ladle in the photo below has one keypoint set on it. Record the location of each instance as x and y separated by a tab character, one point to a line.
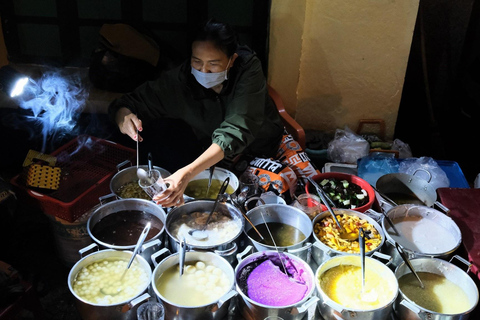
200	234
408	263
210	176
116	288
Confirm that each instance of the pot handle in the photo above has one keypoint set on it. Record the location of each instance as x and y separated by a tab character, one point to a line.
428	173
134	302
467	263
150	244
250	199
410	306
107	198
316	244
307	246
304	307
229	295
383	256
87	248
162	252
241	255
441	207
228	252
122	164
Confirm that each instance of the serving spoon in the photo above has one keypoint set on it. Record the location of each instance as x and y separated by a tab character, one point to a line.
210	176
408	263
201	234
116	287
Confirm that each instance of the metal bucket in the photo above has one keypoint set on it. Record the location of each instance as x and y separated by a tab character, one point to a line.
251	309
321	252
213	311
405	308
449	231
125	310
281	214
151	245
227	249
333	310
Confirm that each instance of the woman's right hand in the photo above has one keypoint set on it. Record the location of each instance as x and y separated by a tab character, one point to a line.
128	123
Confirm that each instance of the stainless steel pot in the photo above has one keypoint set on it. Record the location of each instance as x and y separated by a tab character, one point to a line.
228	249
213	311
282	214
129	174
125	310
149	247
331	310
321	252
251	309
407	309
408	239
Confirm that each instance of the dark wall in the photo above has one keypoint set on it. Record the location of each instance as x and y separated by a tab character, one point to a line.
438	115
65	32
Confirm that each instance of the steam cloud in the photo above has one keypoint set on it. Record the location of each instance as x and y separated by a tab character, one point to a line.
56	102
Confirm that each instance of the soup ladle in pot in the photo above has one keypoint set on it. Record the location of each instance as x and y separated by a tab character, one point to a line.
210	176
181	255
116	287
200	234
408	263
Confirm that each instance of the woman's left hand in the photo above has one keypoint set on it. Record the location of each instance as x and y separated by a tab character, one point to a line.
173	196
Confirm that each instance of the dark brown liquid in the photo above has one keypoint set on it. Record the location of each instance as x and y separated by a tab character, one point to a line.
404	198
283	234
123	228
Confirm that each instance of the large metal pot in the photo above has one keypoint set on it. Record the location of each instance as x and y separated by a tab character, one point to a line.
251	309
213	311
125	310
405	308
227	249
332	310
321	252
427	227
151	245
129	174
279	213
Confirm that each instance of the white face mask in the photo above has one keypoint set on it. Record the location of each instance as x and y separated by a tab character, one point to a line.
210	79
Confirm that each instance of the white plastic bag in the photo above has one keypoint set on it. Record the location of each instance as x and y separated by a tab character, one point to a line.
403	149
418	166
347	147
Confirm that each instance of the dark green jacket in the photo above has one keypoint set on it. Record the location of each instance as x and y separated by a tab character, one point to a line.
241	119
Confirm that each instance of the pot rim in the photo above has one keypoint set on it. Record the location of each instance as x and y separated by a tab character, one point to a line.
215	256
441	214
112	203
422	309
173	212
71	276
252	256
362	215
330	301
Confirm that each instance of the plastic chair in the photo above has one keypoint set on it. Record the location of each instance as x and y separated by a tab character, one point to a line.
290	124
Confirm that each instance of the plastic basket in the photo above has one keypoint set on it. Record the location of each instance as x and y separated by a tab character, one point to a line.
87	164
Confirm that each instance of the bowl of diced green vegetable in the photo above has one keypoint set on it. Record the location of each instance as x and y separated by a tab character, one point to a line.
347	191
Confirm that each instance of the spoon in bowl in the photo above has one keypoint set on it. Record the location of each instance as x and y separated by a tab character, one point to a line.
408	263
116	287
201	234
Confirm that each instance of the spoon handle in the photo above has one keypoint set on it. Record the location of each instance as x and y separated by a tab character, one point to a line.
408	263
142	237
222	190
361	242
322	195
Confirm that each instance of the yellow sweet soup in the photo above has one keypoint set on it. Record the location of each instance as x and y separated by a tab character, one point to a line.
343	284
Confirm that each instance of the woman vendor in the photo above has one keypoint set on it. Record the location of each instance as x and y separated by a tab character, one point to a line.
212	106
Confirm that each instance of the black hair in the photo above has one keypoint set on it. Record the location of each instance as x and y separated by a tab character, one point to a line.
220	34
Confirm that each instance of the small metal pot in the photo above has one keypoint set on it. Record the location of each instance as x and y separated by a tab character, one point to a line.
251	309
321	252
213	311
126	175
282	214
125	310
149	247
407	309
333	310
424	212
227	249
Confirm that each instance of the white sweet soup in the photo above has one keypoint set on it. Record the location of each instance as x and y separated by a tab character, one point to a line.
99	282
204	282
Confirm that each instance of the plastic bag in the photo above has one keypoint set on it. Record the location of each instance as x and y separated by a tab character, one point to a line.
403	149
347	147
374	166
425	168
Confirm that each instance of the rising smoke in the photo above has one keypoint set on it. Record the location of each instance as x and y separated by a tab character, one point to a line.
56	102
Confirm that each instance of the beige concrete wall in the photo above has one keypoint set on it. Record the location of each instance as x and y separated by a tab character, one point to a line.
344	62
